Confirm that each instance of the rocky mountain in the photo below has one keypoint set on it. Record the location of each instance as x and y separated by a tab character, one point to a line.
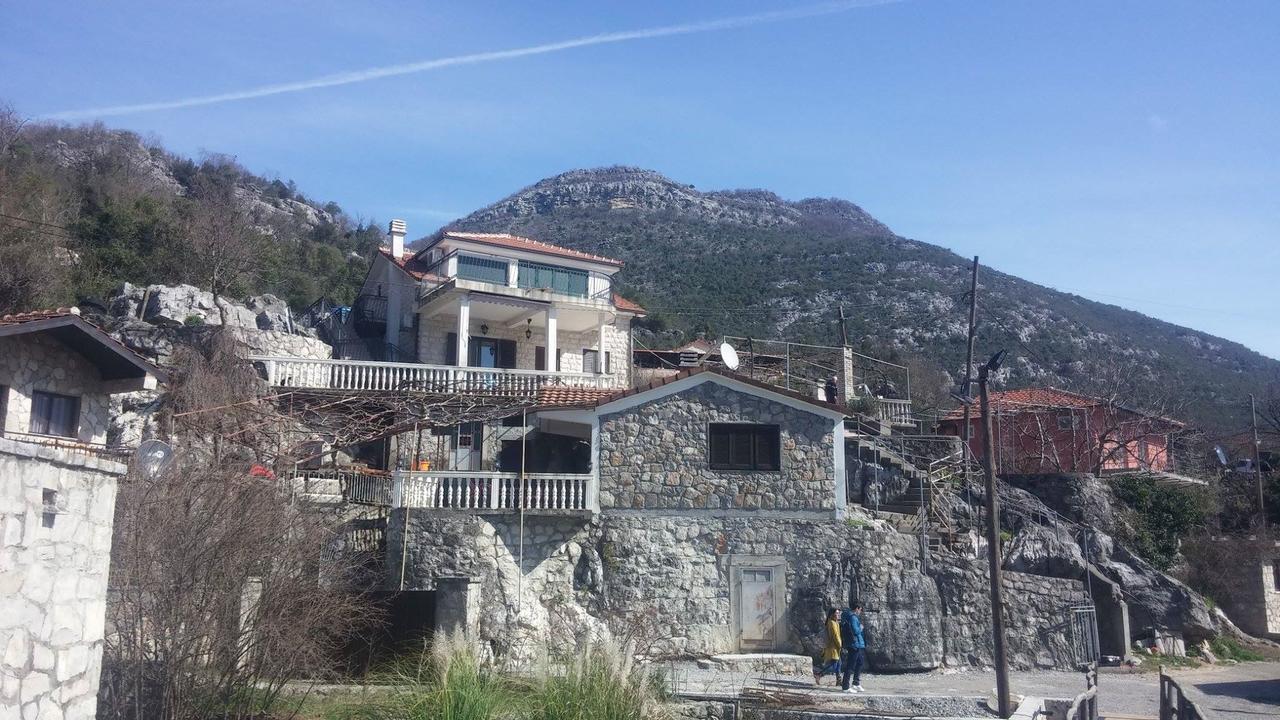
747	262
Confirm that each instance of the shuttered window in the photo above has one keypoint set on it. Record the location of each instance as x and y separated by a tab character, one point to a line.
53	414
743	446
589	358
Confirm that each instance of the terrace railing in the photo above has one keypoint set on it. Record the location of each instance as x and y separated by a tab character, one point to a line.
484	491
364	375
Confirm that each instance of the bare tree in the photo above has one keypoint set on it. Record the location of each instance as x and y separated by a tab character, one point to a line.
224	249
224	587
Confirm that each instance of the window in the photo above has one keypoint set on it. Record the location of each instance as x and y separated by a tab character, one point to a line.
49	500
484	269
589	361
1066	422
557	279
53	414
757	575
1275	574
540	358
741	446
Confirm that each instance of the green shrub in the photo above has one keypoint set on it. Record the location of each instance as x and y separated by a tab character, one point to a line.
1227	648
193	321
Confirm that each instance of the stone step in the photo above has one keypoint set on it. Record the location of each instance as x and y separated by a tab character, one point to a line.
770	663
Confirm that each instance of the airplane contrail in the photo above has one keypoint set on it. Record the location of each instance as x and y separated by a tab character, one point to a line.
358	76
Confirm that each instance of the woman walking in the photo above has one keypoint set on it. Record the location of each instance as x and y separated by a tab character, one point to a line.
830	663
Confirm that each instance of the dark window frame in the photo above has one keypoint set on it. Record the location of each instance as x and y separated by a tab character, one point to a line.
44	424
4	406
595	355
744	447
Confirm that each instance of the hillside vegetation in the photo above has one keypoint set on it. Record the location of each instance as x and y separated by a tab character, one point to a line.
749	262
83	209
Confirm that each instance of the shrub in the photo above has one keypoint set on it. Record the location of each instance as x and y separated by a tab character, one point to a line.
602	683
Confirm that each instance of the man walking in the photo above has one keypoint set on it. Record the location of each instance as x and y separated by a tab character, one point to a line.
854	647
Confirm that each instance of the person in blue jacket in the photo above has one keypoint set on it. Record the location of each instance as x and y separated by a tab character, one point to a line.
854	647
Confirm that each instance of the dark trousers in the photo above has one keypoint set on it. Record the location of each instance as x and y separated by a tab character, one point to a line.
854	658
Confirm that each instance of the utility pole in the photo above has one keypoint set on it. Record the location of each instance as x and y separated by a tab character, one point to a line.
844	331
968	367
1257	461
993	543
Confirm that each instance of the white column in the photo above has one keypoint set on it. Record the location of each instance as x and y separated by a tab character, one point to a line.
464	329
551	338
513	273
600	347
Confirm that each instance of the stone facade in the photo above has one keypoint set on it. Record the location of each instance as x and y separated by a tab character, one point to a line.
57	514
1243	575
433	335
665	581
654	456
37	362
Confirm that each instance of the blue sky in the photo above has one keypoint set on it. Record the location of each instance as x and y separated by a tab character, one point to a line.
1128	152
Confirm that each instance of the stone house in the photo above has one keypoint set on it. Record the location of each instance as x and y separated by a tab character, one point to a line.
57	372
711	518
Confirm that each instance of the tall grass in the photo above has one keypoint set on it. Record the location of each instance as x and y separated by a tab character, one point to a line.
450	683
602	683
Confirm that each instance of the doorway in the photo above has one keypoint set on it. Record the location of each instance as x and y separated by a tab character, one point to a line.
758	602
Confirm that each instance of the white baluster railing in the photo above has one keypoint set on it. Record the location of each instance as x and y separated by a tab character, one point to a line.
386	376
479	491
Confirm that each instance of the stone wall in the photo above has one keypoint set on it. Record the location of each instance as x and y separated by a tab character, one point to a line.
1240	574
655	455
664	580
433	344
36	361
53	578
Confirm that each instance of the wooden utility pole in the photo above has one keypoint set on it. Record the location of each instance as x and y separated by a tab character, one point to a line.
968	364
844	331
1257	460
993	542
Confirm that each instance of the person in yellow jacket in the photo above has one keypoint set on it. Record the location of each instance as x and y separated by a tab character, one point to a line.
830	663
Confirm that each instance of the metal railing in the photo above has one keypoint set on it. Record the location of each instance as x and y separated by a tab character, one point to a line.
1174	704
480	490
529	275
415	377
118	453
360	487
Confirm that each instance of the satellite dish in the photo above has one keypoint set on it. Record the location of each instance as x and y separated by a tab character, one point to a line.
729	356
153	457
1222	455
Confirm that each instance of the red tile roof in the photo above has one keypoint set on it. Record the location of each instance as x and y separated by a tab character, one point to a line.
570	396
516	242
626	305
411	264
34	315
606	397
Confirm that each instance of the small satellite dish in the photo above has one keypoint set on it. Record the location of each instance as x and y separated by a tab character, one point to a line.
729	356
153	457
1222	455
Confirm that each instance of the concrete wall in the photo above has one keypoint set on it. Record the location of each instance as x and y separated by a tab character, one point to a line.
36	361
655	455
53	579
433	333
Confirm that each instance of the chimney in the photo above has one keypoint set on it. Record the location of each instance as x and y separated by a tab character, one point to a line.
396	230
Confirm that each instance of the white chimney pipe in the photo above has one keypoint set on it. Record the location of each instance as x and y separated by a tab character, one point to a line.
397	231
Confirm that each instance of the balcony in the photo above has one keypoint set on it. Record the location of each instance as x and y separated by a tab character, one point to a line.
364	375
481	491
515	278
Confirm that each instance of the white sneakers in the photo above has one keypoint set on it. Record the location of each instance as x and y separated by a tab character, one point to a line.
855	689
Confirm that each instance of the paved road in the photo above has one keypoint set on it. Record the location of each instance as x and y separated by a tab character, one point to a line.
1249	691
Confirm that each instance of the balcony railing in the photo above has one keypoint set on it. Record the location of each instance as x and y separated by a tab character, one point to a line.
894	412
385	376
118	453
483	491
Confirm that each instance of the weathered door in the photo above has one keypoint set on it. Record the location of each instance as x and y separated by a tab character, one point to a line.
757	609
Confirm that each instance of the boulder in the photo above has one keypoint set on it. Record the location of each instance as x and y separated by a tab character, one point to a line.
272	313
1045	550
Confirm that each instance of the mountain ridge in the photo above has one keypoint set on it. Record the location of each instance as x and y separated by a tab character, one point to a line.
757	264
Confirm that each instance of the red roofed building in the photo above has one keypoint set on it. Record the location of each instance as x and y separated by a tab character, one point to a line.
1048	430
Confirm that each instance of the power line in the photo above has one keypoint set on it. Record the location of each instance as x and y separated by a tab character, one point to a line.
37	222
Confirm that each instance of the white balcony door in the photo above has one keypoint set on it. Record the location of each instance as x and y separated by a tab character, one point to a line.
467	448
